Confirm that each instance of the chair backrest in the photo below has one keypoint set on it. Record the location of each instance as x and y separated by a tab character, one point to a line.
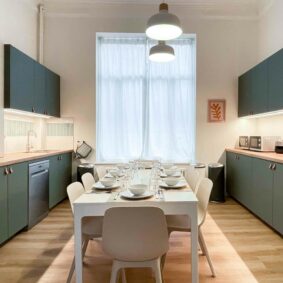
135	233
74	190
203	195
88	181
193	178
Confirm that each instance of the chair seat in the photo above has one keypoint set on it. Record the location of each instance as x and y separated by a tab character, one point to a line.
178	222
92	226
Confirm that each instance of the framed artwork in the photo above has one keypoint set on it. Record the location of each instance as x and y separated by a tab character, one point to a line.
216	110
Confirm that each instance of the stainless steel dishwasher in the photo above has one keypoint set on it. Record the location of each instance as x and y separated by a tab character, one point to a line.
38	191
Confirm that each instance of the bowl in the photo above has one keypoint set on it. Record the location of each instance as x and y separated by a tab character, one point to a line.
121	166
138	189
115	172
167	165
170	172
171	181
107	182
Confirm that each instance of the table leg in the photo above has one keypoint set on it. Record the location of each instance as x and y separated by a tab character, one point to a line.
194	246
78	248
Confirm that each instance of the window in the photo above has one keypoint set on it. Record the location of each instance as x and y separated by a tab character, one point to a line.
144	109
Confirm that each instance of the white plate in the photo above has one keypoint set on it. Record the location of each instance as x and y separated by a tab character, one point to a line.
179	185
177	174
128	195
99	186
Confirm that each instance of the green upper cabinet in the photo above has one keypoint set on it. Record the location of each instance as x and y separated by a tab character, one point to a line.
262	192
275	78
39	89
259	100
19	79
260	90
17	198
245	94
3	205
278	199
52	94
28	85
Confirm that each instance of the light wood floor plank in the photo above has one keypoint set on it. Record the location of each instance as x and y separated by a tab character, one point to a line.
242	248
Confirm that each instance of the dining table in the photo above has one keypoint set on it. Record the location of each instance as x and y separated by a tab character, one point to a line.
180	201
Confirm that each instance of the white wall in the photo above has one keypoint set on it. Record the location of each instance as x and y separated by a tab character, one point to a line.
18	26
225	48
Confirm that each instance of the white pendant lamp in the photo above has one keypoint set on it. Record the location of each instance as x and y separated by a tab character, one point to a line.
161	52
164	25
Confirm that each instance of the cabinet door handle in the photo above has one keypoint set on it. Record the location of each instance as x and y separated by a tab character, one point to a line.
274	167
270	166
11	171
6	171
32	109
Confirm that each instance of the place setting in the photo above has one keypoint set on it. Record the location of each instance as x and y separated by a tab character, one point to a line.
172	183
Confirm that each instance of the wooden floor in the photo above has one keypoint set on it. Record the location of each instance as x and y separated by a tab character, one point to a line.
242	248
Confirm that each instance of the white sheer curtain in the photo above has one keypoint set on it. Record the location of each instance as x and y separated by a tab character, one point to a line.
144	109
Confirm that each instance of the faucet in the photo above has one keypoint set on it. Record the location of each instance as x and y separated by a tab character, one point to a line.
29	144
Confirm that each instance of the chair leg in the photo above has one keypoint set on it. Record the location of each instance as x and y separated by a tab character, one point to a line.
123	275
85	243
202	243
114	272
162	261
156	266
71	272
72	268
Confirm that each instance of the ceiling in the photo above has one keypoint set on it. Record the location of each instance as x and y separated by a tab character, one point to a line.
246	8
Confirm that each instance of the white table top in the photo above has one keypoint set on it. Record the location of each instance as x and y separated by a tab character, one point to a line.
175	196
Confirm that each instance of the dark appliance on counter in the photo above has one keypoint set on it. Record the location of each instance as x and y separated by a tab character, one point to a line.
279	147
244	142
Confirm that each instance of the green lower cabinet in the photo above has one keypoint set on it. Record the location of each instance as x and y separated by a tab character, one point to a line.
262	193
3	205
278	199
239	180
17	198
60	170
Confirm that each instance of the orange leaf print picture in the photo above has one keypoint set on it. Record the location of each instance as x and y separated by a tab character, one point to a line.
216	110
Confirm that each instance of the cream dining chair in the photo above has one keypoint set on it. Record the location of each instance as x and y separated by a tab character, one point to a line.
135	237
181	223
88	181
91	226
193	178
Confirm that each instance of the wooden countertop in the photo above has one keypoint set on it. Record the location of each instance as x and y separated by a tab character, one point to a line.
271	156
13	158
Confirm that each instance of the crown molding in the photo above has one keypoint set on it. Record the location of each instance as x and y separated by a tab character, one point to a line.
214	9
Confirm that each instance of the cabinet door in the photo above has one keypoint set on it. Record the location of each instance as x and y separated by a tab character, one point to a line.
39	88
262	184
18	79
278	199
54	180
230	171
245	94
244	180
3	206
52	82
275	81
259	102
18	198
66	167
239	178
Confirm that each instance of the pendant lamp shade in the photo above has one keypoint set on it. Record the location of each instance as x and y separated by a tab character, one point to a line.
161	52
163	26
